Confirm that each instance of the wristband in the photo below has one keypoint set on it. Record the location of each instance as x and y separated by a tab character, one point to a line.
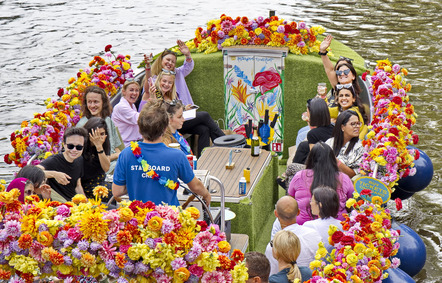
323	53
101	151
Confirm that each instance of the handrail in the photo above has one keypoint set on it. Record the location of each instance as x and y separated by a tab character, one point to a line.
223	200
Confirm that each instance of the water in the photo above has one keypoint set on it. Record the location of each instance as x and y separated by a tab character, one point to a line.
44	43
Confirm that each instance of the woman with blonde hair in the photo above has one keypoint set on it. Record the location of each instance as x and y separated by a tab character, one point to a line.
286	248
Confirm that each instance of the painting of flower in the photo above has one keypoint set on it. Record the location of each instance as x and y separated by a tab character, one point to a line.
240	92
267	80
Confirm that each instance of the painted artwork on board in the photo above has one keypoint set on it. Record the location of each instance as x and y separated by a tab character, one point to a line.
254	84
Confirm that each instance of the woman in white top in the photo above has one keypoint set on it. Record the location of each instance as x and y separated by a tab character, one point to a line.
346	144
324	204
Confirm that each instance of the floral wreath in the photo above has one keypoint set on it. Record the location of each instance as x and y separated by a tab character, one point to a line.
136	150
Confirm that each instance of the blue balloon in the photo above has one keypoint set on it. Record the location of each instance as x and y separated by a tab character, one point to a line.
412	251
423	176
397	275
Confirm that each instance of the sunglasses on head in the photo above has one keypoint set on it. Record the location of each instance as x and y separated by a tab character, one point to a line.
347	86
71	146
346	72
172	102
168	72
346	59
167	52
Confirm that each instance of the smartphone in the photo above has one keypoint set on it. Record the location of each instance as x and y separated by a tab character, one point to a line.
194	107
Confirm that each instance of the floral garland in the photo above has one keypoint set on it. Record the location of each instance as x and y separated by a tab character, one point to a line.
138	242
273	31
136	150
42	135
362	250
390	131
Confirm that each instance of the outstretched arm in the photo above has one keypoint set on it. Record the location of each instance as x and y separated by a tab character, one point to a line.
197	187
60	177
328	65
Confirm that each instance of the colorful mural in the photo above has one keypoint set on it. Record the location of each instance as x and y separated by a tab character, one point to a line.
253	84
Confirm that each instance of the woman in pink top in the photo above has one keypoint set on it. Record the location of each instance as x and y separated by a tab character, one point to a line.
321	170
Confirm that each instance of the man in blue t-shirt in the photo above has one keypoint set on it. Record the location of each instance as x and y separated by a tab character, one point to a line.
168	163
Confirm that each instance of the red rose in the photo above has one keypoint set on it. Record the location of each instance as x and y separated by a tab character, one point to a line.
203	225
415	139
6	159
267	80
363	220
107	48
149	204
398	203
336	237
393	139
347	240
397	100
60	92
416	154
406	173
394	131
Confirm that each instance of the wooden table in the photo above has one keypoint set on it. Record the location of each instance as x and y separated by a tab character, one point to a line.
214	160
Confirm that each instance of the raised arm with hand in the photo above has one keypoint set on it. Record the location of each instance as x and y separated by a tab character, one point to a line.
184	49
328	65
147	76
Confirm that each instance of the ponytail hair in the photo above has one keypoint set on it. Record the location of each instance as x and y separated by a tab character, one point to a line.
287	247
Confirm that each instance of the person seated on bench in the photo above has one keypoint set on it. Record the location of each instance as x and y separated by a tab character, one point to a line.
175	111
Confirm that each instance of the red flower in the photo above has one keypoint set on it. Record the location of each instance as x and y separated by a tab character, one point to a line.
149	204
398	203
393	139
415	139
108	48
336	237
397	100
364	220
267	80
6	159
237	255
244	41
135	205
347	241
60	92
394	131
406	173
202	224
364	75
366	192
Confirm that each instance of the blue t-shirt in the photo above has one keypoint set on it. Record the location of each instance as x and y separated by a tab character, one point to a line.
167	162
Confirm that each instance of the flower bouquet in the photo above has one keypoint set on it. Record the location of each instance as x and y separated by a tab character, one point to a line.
362	250
138	242
390	131
273	31
41	136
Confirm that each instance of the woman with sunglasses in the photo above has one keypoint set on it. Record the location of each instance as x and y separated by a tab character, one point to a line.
321	170
96	104
24	186
202	125
346	145
347	99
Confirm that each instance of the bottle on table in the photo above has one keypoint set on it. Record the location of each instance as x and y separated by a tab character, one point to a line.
242	186
255	143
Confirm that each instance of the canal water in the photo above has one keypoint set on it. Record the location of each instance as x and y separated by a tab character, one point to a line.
44	42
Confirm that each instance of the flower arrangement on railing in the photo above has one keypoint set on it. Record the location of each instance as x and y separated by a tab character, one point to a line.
41	136
273	31
138	242
390	131
363	250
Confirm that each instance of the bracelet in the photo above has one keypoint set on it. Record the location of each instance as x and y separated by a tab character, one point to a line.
101	151
147	69
323	53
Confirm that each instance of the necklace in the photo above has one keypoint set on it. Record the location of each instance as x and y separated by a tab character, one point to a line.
170	184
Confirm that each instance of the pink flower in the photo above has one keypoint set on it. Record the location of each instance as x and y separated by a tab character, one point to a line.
396	68
196	270
213	276
267	80
206	240
395	262
108	251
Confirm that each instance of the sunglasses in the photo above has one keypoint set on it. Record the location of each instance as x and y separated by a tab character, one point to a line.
168	72
71	146
167	52
346	59
346	72
355	124
271	243
173	102
347	86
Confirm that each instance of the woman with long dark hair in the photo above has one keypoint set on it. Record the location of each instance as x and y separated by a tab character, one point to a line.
321	170
37	176
175	111
346	145
96	104
96	156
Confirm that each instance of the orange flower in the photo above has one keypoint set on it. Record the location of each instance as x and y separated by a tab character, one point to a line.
56	258
240	92
87	260
181	274
120	260
237	255
124	237
169	238
45	238
224	247
224	262
4	274
25	241
155	223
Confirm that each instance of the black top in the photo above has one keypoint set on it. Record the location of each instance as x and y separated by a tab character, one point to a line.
319	134
58	163
92	166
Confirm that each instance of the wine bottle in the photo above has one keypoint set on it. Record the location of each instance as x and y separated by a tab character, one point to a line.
255	143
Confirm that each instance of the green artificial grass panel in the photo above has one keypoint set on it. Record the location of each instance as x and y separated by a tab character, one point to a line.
302	75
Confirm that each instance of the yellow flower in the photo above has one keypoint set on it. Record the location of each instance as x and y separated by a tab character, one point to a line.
359	248
350	202
328	268
375	226
239	273
28	224
195	213
78	198
71	80
126	214
24	264
376	200
155	223
224	247
9	197
356	279
87	260
100	191
380	160
94	227
208	261
352	259
374	271
126	66
332	229
321	252
315	264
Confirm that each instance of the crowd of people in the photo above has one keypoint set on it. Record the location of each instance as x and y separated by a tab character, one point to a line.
131	143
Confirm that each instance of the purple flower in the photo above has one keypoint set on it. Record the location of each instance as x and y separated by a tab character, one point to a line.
67	243
140	268
83	245
12	228
67	260
47	268
396	68
112	266
76	253
3	236
280	29
14	246
95	246
302	25
112	239
260	19
395	262
167	226
151	243
133	222
129	267
62	235
122	280
301	44
221	34
63	210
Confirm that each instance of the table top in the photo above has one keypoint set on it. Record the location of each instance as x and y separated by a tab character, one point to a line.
214	159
